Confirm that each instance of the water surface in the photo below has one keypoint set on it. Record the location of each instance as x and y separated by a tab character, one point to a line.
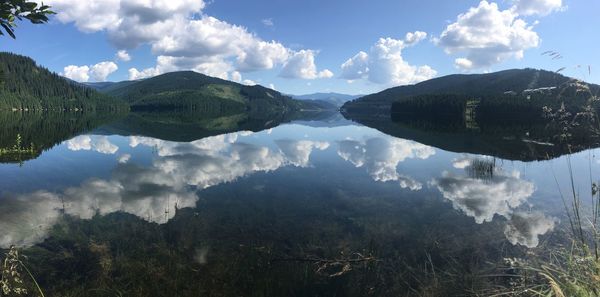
306	208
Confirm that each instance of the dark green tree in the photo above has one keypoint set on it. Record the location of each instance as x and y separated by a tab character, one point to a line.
12	11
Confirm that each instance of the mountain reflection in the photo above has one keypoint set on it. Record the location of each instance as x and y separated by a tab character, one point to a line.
381	156
152	193
486	191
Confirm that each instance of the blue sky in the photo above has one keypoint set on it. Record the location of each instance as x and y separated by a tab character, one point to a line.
350	46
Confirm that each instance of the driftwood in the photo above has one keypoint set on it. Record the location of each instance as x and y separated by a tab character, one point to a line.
332	267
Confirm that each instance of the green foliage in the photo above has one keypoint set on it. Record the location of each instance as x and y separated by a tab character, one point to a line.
25	135
192	91
515	81
27	86
13	10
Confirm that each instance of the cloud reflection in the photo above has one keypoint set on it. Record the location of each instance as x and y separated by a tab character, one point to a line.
483	196
381	156
153	192
100	144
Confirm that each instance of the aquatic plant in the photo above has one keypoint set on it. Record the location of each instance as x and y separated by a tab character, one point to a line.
18	152
18	148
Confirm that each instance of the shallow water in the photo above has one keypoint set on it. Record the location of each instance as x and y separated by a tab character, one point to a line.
265	213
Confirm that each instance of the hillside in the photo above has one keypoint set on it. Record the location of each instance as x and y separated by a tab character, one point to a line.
516	81
192	91
332	98
26	86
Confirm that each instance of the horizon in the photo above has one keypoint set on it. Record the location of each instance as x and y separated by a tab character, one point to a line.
271	44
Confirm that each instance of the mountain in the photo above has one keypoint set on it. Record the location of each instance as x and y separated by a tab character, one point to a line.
26	86
98	85
188	90
333	98
508	82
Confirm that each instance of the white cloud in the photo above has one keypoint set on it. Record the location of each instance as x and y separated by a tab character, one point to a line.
99	144
487	35
102	70
298	151
175	30
249	82
356	67
151	192
524	228
537	7
483	198
236	77
414	38
268	22
98	72
135	74
116	15
123	55
462	163
124	158
385	65
381	157
26	219
77	73
302	65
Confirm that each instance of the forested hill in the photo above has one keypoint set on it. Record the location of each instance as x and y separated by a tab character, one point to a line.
188	90
26	86
514	81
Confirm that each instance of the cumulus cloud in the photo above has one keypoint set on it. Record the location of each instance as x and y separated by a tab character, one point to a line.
151	192
26	219
178	33
302	65
524	228
537	7
100	144
102	70
483	196
482	199
98	72
124	158
236	77
384	63
381	157
298	151
249	82
77	73
123	55
487	35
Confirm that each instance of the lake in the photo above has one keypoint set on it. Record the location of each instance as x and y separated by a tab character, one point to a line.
308	207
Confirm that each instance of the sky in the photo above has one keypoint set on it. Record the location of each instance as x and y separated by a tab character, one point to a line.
301	47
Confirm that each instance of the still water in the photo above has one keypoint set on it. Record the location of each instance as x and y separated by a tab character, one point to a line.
306	208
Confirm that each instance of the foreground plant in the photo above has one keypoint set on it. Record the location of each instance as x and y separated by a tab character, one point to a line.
12	282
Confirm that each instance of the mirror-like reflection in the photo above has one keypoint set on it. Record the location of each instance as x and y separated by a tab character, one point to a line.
320	206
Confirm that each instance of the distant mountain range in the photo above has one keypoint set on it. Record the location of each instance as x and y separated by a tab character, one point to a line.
26	86
509	82
336	99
